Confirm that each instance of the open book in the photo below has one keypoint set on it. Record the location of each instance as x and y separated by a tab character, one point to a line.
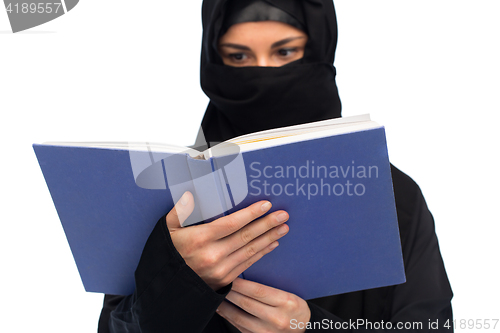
332	177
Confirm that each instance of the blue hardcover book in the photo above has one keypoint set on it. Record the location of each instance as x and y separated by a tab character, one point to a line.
332	177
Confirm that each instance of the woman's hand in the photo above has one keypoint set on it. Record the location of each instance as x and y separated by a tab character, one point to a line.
266	309
221	250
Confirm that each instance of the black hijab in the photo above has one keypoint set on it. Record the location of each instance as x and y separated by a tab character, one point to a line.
256	11
251	99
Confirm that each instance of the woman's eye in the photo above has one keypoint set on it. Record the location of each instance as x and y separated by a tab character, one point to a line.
237	56
287	52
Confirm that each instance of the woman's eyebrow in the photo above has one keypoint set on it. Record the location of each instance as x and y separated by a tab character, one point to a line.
236	46
285	41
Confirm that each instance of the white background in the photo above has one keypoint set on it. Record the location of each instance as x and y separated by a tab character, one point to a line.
128	71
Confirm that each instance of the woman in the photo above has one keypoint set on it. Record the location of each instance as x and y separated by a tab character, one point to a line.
185	274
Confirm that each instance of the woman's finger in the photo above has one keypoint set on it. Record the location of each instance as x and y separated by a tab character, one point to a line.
255	247
181	211
250	305
235	272
252	231
228	225
259	292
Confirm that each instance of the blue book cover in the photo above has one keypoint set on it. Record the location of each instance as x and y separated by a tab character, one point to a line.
337	190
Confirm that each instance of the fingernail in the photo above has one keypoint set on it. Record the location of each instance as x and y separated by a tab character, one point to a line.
282	217
266	206
184	199
273	245
282	230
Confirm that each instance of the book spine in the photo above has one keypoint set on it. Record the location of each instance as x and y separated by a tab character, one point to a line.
223	188
209	194
180	179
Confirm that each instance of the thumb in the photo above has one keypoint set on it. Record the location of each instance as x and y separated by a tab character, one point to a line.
181	211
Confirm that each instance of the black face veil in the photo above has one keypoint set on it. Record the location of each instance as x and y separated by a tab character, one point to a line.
251	99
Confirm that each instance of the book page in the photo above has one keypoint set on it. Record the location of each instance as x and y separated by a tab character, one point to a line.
285	135
314	126
135	146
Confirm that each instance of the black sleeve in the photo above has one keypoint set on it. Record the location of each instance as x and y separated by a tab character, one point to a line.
423	303
169	295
